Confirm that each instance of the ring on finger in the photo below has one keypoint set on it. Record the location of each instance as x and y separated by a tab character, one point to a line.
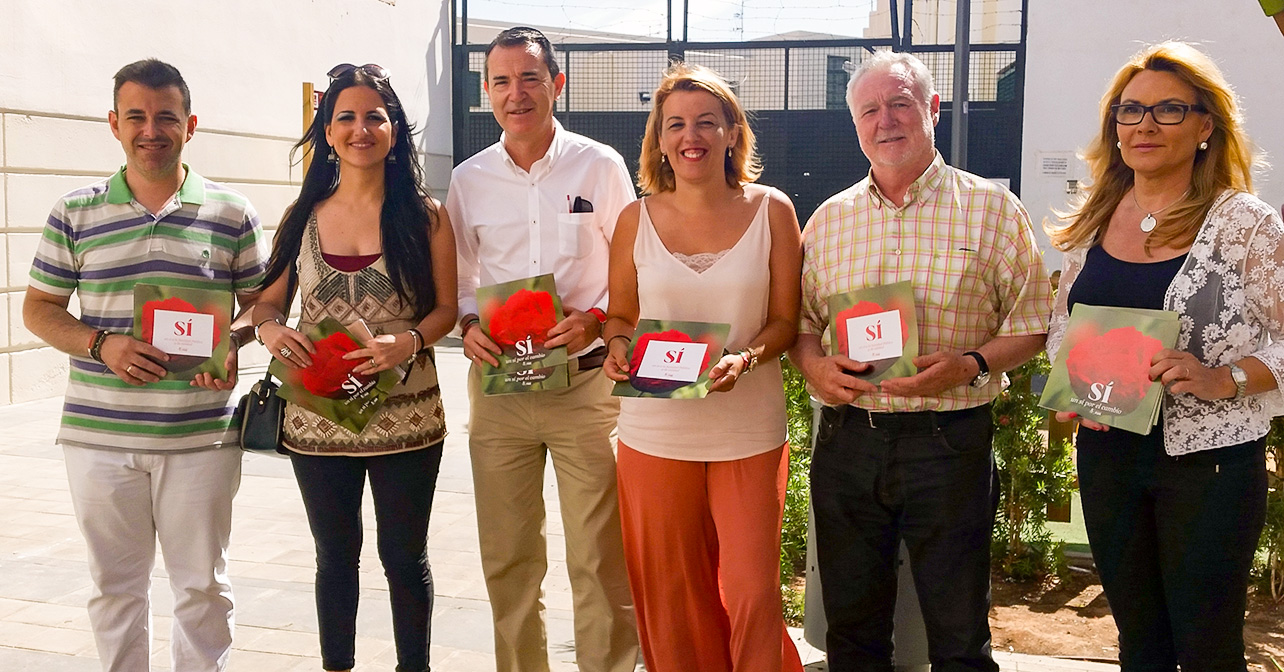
130	369
286	351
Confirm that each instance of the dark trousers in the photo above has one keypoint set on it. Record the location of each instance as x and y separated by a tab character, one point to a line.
402	485
928	479
1173	539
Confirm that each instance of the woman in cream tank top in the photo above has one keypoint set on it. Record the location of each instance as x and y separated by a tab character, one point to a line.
702	481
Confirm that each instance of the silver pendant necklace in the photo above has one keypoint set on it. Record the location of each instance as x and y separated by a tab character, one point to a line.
1148	223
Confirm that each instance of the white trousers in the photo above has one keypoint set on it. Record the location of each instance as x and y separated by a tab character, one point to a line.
124	502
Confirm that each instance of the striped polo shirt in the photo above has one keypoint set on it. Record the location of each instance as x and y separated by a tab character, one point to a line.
98	243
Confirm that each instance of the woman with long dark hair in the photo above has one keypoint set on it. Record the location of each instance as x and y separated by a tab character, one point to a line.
365	241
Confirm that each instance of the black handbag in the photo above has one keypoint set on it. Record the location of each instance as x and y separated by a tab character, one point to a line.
261	413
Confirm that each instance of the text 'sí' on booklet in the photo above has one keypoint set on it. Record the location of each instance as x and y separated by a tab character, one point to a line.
331	387
1102	371
877	326
669	359
190	325
517	316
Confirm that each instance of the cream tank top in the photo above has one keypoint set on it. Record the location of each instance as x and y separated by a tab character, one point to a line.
748	420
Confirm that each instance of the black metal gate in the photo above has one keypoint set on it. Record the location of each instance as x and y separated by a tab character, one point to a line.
794	90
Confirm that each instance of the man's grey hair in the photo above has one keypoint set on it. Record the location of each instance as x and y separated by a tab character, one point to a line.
886	59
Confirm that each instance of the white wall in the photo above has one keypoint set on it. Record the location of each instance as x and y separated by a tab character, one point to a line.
1074	49
245	62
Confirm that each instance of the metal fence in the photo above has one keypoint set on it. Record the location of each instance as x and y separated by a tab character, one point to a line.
794	91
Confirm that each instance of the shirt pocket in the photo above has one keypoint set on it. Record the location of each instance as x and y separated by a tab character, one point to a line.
575	234
952	273
196	251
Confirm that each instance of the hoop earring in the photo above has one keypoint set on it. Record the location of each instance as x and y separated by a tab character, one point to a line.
332	158
1203	145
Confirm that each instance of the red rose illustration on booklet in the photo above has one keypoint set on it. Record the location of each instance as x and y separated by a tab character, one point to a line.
525	317
330	387
329	370
517	316
1102	370
187	324
671	359
862	327
1116	364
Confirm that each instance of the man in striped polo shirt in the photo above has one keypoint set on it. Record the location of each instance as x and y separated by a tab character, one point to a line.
910	459
146	458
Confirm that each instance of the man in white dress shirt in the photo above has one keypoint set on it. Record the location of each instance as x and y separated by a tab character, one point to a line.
544	200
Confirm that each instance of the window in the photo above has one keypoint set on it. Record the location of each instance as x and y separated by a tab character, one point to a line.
473	88
836	83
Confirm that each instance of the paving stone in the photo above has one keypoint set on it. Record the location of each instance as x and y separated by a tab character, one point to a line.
44	579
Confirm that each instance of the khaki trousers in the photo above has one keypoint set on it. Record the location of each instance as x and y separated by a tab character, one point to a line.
510	439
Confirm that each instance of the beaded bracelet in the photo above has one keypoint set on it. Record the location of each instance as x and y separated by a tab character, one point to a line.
750	359
96	347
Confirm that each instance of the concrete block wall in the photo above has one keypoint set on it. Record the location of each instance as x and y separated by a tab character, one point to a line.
245	61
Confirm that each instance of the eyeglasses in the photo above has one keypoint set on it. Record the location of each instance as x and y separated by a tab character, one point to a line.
1167	114
374	70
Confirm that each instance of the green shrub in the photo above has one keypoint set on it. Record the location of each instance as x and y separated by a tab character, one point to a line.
793	532
1268	570
1032	475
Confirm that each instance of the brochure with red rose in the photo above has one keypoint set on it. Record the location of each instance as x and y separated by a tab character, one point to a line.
330	387
517	316
878	326
1102	371
189	324
670	359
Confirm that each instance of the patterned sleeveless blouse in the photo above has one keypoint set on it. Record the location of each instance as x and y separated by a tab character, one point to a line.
412	417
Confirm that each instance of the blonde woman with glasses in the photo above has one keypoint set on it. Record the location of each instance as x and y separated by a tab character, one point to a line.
1170	223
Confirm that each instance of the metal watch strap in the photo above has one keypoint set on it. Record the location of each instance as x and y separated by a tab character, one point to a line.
1240	377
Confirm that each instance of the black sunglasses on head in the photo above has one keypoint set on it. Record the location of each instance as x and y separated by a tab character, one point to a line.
374	70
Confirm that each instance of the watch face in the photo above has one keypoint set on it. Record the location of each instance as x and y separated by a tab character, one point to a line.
981	380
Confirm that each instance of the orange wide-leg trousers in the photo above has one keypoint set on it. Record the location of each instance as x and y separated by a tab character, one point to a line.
702	545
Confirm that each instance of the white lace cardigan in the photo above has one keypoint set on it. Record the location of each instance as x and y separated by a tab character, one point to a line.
1230	299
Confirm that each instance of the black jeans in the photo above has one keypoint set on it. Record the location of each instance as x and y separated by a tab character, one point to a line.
930	480
402	485
1173	539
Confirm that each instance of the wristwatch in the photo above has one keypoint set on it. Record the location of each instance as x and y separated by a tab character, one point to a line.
1240	376
983	369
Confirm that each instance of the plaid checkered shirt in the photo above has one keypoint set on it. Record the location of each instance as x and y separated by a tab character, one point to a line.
964	242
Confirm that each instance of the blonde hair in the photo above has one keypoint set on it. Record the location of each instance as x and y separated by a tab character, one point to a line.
1226	164
741	167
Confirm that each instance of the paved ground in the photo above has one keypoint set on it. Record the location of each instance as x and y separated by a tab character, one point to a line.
44	582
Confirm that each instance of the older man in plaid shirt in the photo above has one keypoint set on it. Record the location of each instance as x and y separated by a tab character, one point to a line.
910	459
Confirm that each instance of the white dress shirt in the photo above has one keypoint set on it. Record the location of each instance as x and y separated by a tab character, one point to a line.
512	224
